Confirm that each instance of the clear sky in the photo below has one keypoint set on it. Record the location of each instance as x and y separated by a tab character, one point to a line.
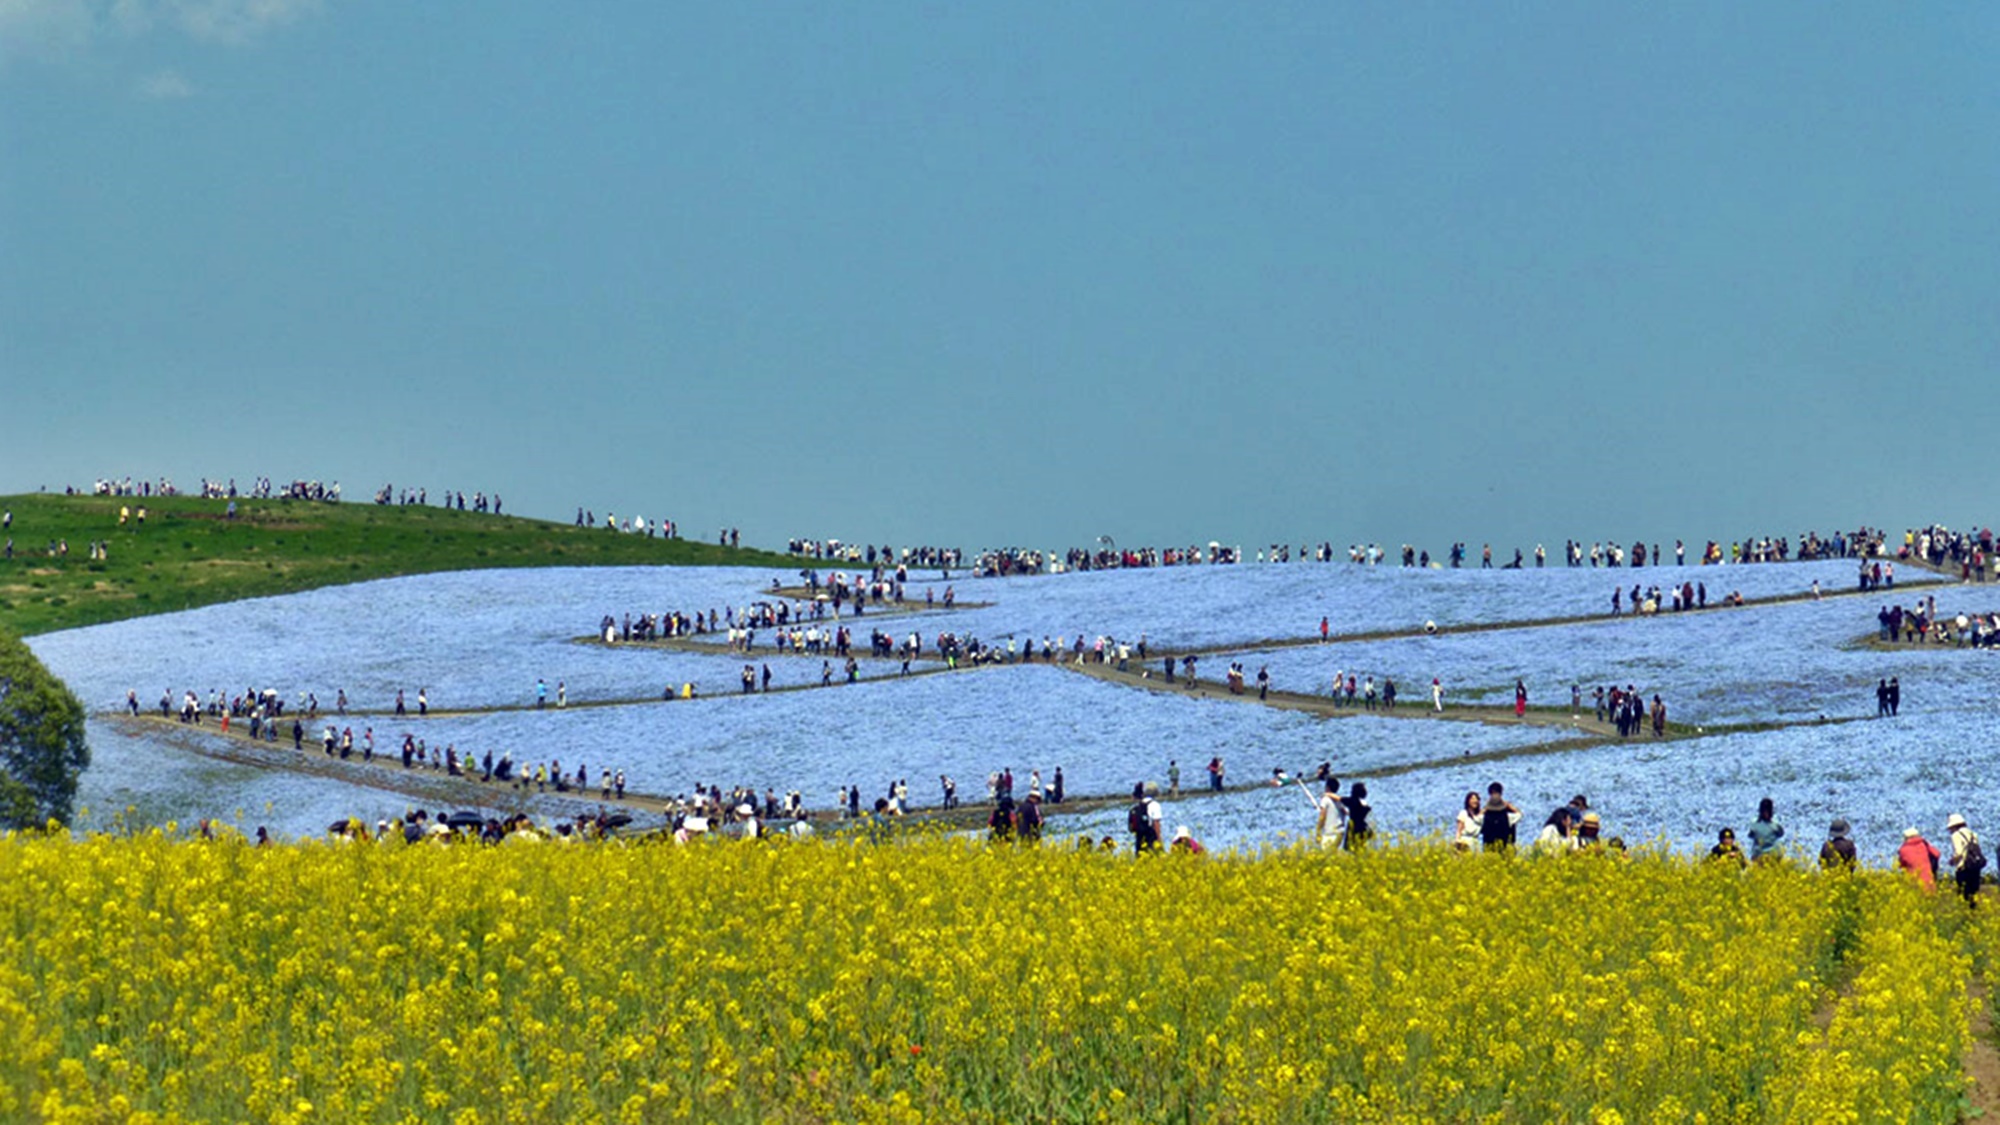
1018	273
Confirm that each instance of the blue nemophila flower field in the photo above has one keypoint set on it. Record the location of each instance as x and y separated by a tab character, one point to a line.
478	641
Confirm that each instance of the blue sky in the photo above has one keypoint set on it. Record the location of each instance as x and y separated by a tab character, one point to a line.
1021	274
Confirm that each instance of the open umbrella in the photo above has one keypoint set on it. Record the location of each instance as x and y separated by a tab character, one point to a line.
465	819
617	820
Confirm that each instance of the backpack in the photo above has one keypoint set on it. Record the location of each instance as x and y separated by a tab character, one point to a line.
1494	828
1136	820
1975	857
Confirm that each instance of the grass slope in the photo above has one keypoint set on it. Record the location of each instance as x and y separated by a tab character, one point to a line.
188	554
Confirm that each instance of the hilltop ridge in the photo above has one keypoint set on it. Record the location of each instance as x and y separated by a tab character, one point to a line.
190	551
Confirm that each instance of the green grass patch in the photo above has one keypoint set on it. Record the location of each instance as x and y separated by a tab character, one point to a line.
190	555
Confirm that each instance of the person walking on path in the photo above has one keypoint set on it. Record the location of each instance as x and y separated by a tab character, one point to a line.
1437	695
1918	857
1520	699
1174	777
1765	832
1968	859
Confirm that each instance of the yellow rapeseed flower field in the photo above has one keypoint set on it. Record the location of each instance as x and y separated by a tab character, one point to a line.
156	979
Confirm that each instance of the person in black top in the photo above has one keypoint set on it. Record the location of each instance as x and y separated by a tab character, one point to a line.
1358	809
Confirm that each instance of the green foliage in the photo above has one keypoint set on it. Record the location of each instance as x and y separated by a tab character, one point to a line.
188	554
42	748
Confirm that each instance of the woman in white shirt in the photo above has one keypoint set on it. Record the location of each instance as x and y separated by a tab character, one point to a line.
1555	838
1466	837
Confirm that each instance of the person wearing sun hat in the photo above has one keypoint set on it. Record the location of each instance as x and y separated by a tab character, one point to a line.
1918	857
1968	859
1838	851
1587	830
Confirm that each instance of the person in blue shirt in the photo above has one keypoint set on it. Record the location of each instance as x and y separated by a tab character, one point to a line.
1766	832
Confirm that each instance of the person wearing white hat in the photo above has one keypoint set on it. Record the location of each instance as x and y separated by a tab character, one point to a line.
1918	857
1968	859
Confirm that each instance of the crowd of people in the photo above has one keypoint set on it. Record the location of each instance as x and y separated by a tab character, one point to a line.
389	494
1969	552
1862	542
260	489
870	555
1492	823
659	528
1922	624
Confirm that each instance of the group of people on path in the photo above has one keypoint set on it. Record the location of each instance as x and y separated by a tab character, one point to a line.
1627	709
260	708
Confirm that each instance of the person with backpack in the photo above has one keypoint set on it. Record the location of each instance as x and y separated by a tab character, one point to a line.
1498	820
1143	820
1001	820
1968	859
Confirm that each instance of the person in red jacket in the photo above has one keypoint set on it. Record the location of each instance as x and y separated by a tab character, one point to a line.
1918	857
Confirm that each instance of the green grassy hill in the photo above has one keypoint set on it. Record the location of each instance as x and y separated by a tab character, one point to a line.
188	553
